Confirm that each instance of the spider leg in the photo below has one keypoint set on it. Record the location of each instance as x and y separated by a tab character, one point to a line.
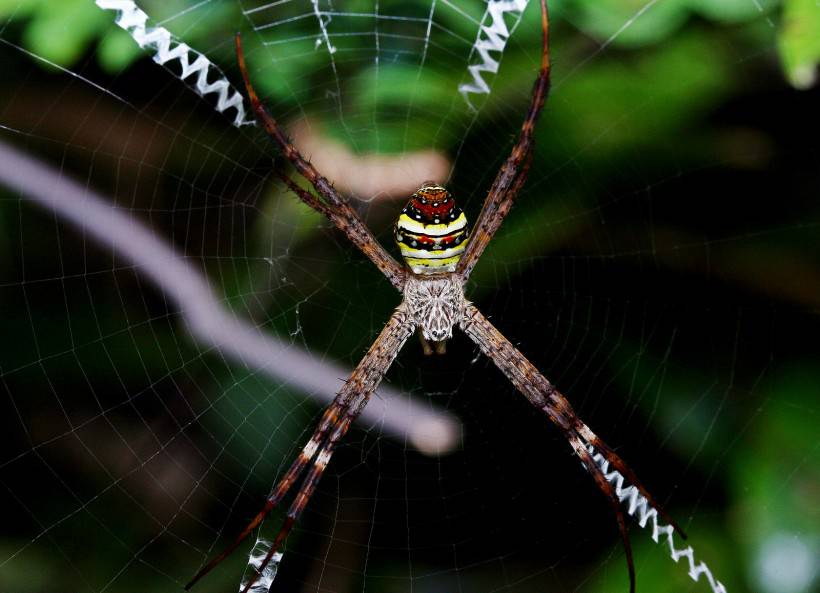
512	175
609	492
544	395
590	437
302	498
334	206
281	488
304	195
347	405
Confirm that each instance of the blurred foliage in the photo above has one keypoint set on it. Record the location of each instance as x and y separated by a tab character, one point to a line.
662	265
61	31
800	41
635	23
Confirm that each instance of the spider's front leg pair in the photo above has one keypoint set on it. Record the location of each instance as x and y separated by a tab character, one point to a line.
439	255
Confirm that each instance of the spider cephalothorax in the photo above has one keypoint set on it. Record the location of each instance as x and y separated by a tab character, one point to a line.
436	304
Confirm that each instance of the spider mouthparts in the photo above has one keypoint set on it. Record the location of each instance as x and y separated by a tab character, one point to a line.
431	347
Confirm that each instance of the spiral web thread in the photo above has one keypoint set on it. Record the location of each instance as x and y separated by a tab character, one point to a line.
167	49
255	559
639	508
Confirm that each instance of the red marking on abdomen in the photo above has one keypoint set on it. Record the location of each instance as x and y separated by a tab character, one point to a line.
431	212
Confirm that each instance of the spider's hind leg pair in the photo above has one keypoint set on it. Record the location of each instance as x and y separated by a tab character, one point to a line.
439	255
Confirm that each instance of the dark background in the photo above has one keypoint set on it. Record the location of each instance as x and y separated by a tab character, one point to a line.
660	266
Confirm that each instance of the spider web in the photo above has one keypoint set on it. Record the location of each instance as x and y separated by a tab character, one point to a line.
174	320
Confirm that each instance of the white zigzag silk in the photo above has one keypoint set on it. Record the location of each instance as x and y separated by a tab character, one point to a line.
255	559
638	504
492	37
167	49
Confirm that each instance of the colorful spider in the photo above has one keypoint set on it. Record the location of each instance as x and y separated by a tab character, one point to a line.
440	254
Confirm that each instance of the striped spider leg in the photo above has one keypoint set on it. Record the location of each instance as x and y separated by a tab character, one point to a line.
334	424
513	172
524	376
545	396
329	202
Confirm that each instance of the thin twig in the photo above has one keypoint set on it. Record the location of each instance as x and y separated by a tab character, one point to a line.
423	425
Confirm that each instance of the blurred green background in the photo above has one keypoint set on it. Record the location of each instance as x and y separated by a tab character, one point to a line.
662	266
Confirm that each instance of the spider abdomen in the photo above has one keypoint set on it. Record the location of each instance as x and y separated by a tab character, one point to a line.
431	231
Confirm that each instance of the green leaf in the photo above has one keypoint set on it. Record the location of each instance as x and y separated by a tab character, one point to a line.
378	88
775	474
384	95
800	41
17	8
117	51
631	23
732	11
656	571
61	31
625	105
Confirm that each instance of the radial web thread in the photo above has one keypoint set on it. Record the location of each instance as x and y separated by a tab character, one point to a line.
639	508
166	49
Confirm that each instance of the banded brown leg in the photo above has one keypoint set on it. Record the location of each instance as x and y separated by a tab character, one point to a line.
335	422
543	395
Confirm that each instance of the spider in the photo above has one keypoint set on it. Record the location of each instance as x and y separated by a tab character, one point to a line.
439	254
